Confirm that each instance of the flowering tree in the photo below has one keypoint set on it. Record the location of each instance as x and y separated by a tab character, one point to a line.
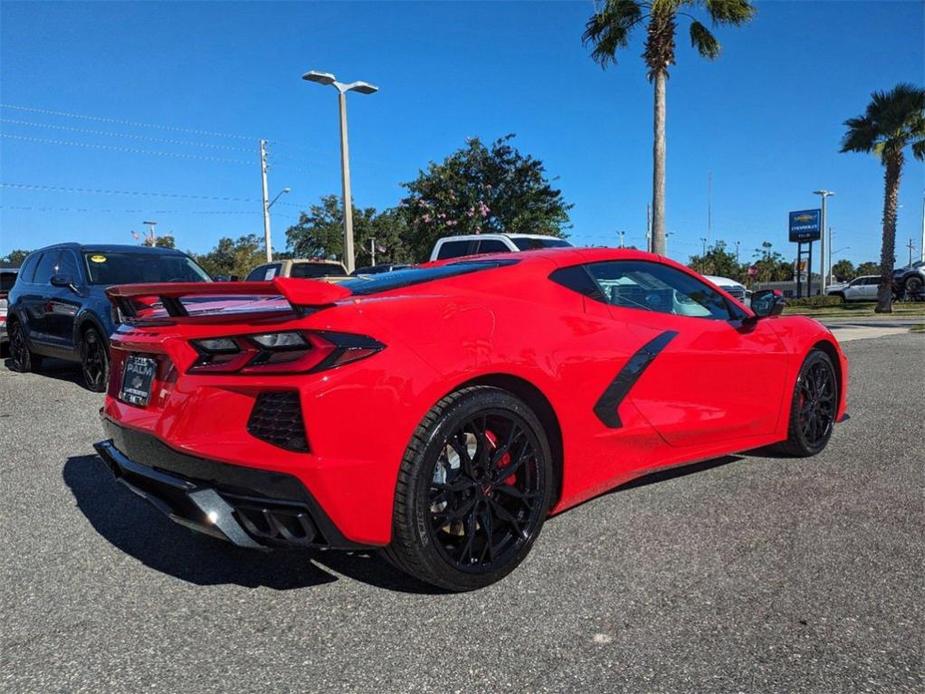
481	189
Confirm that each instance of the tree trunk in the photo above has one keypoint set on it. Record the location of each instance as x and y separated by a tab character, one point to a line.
658	165
891	177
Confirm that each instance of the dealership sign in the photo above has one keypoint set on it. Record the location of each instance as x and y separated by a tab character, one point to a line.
805	225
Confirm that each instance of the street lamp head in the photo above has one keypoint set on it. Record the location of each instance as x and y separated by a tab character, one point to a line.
823	193
287	189
362	87
319	77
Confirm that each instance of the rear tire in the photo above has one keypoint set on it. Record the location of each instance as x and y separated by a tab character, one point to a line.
94	360
473	490
21	359
813	406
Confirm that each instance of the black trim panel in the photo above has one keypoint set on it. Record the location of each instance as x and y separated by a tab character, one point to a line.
606	406
232	482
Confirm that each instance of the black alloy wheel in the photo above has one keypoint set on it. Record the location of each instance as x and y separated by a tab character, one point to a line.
94	361
472	499
21	359
814	406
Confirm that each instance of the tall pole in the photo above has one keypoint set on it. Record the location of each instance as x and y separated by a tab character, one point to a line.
703	241
911	248
372	252
349	261
922	247
622	233
824	194
266	200
737	252
709	205
648	228
828	248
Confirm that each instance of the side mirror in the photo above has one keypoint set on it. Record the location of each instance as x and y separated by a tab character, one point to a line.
768	302
60	281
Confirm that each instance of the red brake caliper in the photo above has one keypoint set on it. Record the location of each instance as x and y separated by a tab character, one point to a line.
505	459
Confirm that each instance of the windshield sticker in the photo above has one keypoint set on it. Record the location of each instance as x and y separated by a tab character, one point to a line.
97	258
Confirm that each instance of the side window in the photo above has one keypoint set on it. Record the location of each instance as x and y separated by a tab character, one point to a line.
46	267
492	246
28	267
67	266
872	280
256	275
654	287
454	249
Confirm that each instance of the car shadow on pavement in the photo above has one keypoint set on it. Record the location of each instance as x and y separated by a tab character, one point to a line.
58	369
139	530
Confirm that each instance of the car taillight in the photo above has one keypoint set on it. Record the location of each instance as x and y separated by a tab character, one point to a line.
281	352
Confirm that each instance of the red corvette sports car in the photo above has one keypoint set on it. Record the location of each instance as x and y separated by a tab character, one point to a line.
443	412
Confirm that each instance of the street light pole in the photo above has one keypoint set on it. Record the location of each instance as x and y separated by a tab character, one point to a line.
266	200
824	194
326	78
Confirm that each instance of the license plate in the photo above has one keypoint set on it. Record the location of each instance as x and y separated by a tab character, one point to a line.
136	380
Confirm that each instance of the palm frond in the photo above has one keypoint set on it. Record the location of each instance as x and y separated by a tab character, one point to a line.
733	12
608	30
861	135
705	43
918	149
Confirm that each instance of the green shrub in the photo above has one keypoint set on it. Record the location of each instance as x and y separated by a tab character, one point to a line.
815	301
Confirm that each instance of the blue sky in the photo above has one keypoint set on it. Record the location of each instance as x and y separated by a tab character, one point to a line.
765	118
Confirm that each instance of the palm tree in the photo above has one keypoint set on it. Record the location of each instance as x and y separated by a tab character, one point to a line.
609	29
893	121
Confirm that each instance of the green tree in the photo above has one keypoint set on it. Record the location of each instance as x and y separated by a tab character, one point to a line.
233	258
719	261
482	189
15	257
892	122
868	268
319	233
844	270
770	265
609	30
165	242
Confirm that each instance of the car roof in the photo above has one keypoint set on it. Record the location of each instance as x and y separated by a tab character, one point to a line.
110	248
720	280
469	237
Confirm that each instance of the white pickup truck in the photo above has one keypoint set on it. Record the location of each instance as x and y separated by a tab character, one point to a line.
477	244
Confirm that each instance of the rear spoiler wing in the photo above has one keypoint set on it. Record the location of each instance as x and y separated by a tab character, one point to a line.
302	294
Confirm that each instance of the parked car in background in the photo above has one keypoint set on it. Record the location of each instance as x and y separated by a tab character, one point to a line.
909	281
7	279
731	287
58	306
314	269
477	244
862	288
378	269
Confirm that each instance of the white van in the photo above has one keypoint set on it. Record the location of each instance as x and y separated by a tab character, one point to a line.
476	244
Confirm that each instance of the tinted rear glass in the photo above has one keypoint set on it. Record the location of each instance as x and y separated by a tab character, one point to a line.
47	266
126	267
453	249
534	244
404	278
7	280
306	270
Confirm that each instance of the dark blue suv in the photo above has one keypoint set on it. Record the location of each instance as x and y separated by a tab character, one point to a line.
58	306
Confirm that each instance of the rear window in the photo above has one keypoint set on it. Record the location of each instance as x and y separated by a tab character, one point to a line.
403	278
126	267
534	244
7	280
453	249
309	270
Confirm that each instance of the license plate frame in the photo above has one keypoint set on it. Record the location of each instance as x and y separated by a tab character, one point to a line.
137	377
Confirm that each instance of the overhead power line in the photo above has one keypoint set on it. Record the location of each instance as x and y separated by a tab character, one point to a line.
130	136
116	148
119	121
50	208
111	191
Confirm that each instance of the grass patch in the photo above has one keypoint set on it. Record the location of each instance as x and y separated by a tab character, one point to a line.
865	309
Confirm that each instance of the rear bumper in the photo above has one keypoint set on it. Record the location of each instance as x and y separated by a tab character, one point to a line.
248	507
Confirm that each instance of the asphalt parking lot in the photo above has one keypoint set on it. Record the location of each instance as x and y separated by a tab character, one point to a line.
746	574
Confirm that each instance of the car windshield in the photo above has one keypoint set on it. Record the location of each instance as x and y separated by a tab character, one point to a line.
305	270
126	267
527	244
